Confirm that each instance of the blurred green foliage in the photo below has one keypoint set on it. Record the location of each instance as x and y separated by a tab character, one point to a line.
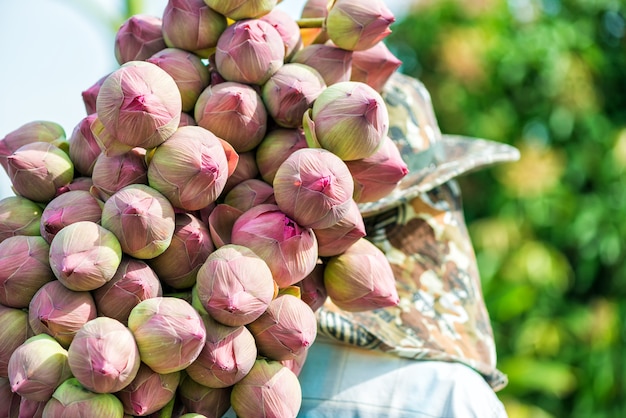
548	76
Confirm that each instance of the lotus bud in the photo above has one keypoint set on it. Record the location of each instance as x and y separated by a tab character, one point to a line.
269	390
24	268
170	319
242	9
67	208
35	131
332	63
355	26
31	409
374	66
297	363
227	356
234	112
149	391
108	143
186	120
234	285
37	170
221	221
288	30
83	146
79	183
9	400
187	70
133	282
349	119
322	183
286	329
249	51
19	216
193	26
141	218
13	332
138	38
289	249
191	245
90	95
377	175
37	367
312	289
360	279
249	193
139	104
84	255
277	145
112	173
339	237
71	399
290	91
59	312
246	170
210	402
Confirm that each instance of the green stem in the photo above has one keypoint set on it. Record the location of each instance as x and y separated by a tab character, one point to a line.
311	22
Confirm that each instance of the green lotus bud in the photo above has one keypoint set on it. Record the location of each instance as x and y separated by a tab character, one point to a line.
354	25
339	237
314	187
211	402
71	399
83	146
138	38
312	290
57	311
68	208
242	9
227	356
141	218
234	285
133	282
332	63
19	216
277	145
269	390
249	193
249	51
190	168
246	170
37	170
149	391
35	131
287	28
13	332
139	104
37	367
84	255
374	66
360	279
170	319
114	172
24	268
10	400
221	221
234	112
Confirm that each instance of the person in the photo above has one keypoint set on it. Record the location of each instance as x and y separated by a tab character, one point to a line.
432	355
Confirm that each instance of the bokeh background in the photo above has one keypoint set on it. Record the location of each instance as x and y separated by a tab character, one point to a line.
547	76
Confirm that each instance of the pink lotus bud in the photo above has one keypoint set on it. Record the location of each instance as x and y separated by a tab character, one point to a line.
133	282
289	249
290	91
141	218
190	168
138	38
349	119
377	175
24	268
354	25
139	104
9	400
312	290
246	170
67	208
193	26
269	390
210	402
31	409
113	173
287	28
286	329
187	70
314	187
242	9
57	311
250	193
234	285
37	170
170	319
71	399
90	95
37	367
360	279
277	145
19	216
190	247
221	221
337	238
332	63
84	255
79	183
35	131
374	66
249	51
234	112
227	356
149	391
13	332
84	148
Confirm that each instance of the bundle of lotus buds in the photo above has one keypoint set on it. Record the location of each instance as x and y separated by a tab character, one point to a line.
168	256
